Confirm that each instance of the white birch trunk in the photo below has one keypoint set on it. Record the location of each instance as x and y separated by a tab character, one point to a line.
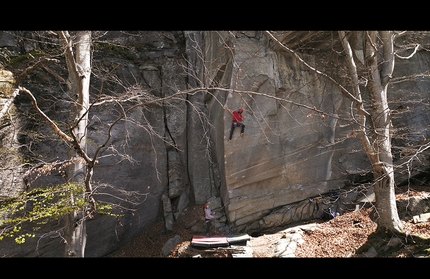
79	67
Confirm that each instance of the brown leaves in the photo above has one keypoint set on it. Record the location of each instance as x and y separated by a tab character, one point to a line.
339	237
344	234
46	168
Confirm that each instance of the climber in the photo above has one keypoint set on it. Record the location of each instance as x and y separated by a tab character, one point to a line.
209	215
236	122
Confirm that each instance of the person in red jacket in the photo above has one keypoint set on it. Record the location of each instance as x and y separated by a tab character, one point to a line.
236	122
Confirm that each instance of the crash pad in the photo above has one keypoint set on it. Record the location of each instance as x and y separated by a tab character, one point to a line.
218	240
209	241
238	239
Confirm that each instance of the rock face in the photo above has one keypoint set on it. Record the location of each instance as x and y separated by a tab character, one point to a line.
177	152
287	154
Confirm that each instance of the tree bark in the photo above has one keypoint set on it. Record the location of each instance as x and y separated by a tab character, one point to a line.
381	157
383	168
79	68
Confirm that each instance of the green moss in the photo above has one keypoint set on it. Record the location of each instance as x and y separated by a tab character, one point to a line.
5	55
114	49
16	60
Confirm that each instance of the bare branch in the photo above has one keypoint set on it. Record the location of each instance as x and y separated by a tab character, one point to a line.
70	58
343	89
32	68
60	78
356	89
410	77
417	46
47	119
388	50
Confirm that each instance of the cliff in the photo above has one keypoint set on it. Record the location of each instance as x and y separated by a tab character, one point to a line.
171	155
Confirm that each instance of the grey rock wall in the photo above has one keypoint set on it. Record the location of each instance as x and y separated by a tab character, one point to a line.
288	153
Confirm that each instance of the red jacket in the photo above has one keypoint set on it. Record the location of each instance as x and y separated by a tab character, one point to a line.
237	116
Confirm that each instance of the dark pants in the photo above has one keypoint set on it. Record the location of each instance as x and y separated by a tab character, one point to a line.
234	125
208	225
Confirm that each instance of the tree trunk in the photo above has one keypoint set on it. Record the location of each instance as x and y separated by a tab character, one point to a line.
381	158
386	207
79	67
382	163
375	135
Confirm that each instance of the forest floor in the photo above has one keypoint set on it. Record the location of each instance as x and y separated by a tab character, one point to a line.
351	234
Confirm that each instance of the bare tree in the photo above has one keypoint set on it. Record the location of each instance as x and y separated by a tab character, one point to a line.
78	60
77	52
369	57
79	165
379	58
